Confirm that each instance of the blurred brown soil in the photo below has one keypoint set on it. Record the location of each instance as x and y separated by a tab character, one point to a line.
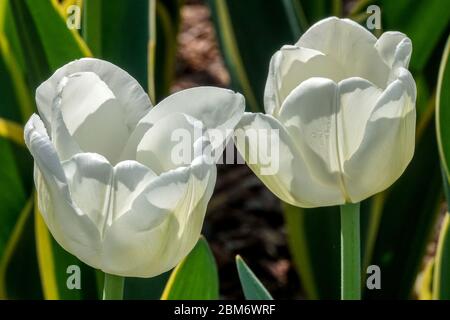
243	216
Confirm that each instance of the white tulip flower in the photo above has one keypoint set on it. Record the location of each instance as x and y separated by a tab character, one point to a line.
343	103
107	186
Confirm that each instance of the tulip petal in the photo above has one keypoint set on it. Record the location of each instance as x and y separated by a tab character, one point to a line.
163	225
73	229
130	179
388	143
352	46
169	143
126	89
309	114
64	142
285	169
90	177
88	105
218	109
292	65
327	121
357	100
101	191
395	49
272	100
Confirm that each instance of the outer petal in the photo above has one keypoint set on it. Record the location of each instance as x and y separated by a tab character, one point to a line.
73	229
163	225
64	142
357	99
388	143
395	49
125	88
350	45
218	109
309	114
272	100
286	170
328	121
130	180
90	178
292	65
102	192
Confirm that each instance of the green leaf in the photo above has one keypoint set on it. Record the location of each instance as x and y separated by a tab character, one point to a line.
425	289
60	44
17	99
253	288
441	281
316	254
443	111
16	168
441	287
19	275
15	188
195	278
167	26
16	96
118	31
45	40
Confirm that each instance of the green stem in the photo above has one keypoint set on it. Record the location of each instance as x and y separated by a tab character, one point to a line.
113	287
350	252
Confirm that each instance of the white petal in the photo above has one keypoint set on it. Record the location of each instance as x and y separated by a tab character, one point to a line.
272	101
125	88
130	179
169	143
388	143
90	177
218	109
309	115
352	46
357	101
292	65
64	142
73	229
395	49
101	191
327	121
93	115
287	171
163	225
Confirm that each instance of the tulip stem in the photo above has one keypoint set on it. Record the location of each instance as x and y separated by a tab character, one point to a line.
350	252
113	287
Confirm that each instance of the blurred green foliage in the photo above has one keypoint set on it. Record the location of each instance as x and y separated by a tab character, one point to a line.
441	287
